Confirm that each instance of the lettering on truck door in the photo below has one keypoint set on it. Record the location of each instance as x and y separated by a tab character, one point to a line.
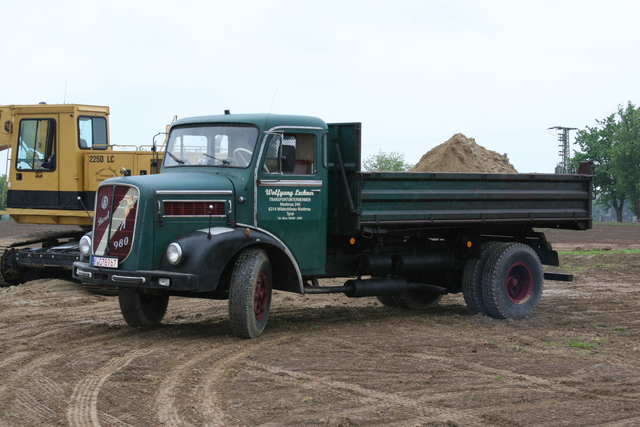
292	198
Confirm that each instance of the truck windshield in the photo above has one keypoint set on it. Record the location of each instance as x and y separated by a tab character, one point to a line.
214	145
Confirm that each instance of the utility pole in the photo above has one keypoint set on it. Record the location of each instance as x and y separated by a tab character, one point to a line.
565	148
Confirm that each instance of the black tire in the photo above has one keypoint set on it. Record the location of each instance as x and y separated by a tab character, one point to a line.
512	282
417	300
472	278
139	309
387	300
250	294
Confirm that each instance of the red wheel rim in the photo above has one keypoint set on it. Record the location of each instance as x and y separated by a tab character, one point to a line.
261	299
519	283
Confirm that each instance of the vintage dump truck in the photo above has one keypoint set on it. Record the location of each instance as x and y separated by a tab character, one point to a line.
245	204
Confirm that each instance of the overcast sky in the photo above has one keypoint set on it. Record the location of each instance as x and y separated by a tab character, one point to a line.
414	72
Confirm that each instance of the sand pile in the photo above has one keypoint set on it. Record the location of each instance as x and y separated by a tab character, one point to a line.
462	154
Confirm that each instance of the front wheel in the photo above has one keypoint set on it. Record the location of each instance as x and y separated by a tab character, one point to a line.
250	294
512	282
142	310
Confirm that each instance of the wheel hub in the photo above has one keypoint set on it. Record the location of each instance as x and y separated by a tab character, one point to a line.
519	283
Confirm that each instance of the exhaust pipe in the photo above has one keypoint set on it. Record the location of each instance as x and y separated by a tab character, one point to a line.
380	287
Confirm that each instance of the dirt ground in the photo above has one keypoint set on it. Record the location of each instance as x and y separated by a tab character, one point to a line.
68	358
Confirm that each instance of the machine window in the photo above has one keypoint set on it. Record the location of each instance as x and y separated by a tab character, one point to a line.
291	154
36	145
92	133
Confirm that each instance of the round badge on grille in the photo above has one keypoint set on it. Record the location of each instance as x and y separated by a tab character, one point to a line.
105	202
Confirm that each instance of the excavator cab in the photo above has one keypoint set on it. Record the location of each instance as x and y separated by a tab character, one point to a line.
60	154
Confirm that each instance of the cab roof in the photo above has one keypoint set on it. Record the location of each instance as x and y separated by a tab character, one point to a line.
264	121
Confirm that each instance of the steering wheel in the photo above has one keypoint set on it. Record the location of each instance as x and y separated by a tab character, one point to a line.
239	156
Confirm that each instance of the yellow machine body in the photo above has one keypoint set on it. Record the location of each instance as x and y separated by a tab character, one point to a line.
60	153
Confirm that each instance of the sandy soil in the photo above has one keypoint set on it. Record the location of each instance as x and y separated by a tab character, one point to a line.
68	358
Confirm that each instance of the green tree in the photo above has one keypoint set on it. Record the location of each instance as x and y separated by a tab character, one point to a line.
625	158
614	147
382	161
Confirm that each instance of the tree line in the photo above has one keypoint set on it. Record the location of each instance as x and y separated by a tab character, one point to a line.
614	147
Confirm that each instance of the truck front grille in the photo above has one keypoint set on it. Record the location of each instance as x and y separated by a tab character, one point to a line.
193	208
115	220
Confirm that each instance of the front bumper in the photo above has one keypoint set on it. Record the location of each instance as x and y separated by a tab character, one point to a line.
149	279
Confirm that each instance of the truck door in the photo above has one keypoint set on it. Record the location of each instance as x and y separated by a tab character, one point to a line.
292	196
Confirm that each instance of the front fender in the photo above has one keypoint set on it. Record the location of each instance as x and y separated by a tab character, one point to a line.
211	254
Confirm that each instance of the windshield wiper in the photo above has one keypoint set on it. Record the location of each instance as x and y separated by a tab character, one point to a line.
223	161
175	158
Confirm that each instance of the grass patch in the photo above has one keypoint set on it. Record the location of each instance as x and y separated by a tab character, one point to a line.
601	252
582	344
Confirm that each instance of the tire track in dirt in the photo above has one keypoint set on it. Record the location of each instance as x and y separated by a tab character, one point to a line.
513	378
17	385
34	408
33	405
425	413
509	382
46	384
210	387
37	330
628	422
14	359
83	409
26	370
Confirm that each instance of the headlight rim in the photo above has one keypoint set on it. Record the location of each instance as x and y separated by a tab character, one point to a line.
174	254
84	245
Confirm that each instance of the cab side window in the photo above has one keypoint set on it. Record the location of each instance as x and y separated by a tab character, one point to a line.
92	133
291	154
36	145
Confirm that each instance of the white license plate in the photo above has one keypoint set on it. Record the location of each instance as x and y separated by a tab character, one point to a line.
99	261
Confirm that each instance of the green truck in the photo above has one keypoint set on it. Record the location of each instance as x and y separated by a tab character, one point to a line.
248	203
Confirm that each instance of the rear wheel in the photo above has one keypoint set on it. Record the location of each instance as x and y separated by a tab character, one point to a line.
417	300
250	294
512	282
142	310
472	278
387	300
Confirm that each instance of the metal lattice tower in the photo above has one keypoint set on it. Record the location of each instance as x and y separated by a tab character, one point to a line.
565	149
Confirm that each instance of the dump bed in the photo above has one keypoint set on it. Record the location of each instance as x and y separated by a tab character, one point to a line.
389	199
401	200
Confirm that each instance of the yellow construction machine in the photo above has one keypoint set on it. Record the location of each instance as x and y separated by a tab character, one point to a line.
59	154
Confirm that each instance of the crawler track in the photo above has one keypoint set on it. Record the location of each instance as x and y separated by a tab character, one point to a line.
7	275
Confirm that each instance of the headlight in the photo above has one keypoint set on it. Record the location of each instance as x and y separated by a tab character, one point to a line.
174	254
85	246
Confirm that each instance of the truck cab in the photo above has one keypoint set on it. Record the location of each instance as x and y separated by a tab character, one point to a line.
228	184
